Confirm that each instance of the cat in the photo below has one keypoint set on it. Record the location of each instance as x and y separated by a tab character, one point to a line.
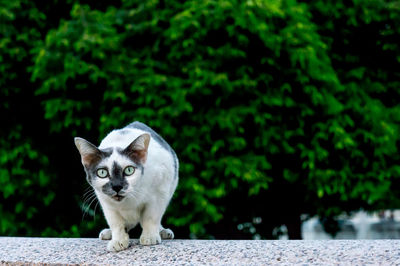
134	173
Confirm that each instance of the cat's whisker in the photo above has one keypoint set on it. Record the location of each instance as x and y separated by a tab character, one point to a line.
135	194
88	188
87	192
131	192
91	201
95	207
87	203
88	197
88	207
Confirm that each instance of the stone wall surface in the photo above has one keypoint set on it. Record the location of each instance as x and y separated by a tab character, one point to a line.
80	251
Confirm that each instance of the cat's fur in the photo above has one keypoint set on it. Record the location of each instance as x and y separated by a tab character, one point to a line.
144	195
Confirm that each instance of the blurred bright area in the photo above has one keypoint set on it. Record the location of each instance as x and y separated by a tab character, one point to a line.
361	225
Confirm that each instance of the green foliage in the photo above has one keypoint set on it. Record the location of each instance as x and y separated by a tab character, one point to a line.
22	165
275	108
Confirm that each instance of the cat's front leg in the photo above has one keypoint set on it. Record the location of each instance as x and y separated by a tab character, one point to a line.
105	234
119	237
151	225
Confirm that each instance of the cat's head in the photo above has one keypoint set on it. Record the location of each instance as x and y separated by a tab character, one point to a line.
113	171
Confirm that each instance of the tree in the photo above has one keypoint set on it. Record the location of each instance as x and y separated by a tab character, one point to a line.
22	165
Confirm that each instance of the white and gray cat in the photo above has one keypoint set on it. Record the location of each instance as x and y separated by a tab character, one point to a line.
134	173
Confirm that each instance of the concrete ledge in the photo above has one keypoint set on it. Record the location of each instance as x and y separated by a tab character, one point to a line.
254	252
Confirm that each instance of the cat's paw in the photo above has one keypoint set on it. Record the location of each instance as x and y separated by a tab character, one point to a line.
117	245
105	234
167	234
150	239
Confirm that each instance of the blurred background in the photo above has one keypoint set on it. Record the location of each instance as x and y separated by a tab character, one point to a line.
285	114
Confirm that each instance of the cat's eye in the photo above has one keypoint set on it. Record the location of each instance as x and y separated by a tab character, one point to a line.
102	173
129	170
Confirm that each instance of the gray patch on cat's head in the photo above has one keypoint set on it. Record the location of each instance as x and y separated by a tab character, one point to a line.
123	132
117	181
106	152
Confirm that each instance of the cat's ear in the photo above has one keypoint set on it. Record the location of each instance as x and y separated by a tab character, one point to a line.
89	152
137	150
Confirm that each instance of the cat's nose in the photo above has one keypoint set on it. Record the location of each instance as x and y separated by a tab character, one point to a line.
117	188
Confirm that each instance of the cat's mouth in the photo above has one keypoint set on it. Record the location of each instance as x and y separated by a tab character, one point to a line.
118	197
